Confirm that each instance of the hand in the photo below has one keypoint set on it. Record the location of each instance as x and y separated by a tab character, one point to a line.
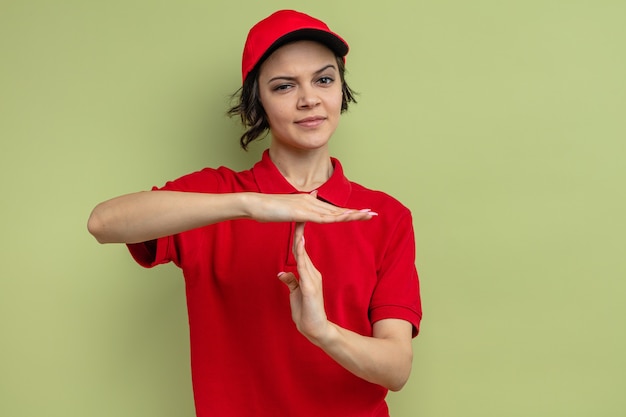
383	358
300	208
306	295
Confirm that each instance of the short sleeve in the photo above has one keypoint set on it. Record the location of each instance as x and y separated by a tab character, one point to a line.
154	252
397	293
165	249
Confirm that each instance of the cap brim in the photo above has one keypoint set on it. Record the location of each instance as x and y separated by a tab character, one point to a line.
332	41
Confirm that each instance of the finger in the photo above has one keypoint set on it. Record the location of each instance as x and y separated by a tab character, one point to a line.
300	253
289	279
299	250
327	213
306	269
298	236
355	215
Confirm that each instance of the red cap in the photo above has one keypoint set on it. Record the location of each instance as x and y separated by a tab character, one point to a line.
282	27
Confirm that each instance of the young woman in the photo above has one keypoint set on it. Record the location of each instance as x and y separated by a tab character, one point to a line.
301	286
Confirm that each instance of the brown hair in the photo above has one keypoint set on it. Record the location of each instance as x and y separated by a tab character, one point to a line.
249	108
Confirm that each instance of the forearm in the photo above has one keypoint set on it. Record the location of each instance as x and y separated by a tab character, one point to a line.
383	359
148	215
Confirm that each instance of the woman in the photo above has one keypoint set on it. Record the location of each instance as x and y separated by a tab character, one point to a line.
285	320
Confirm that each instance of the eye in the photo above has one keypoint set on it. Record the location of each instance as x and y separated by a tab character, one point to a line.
281	87
325	80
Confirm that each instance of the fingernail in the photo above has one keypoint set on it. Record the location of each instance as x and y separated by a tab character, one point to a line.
280	273
372	213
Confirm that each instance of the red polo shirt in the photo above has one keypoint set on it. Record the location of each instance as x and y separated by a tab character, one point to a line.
247	357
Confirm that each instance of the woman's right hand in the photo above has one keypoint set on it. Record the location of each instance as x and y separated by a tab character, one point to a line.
148	215
299	208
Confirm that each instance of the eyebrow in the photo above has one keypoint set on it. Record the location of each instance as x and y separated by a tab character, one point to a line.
285	77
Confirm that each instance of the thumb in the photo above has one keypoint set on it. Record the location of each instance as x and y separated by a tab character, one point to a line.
289	279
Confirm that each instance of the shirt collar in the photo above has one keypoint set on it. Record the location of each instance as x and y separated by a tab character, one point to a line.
270	181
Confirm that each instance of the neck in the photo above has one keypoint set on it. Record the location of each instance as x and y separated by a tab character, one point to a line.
306	170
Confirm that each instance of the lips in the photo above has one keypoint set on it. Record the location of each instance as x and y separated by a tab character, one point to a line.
312	121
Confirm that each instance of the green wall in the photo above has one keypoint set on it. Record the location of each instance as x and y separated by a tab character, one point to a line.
499	123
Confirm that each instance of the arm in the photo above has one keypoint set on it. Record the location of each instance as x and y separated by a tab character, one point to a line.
384	359
148	215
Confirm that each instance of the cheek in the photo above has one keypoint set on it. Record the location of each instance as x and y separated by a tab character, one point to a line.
276	115
268	105
336	102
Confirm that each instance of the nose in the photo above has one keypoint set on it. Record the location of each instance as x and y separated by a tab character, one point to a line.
308	98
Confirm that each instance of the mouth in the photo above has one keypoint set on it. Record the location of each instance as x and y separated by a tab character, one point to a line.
312	121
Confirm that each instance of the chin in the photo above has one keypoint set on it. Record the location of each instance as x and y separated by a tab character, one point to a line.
305	142
315	144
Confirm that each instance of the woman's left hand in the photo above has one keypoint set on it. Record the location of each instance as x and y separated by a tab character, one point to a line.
384	358
306	293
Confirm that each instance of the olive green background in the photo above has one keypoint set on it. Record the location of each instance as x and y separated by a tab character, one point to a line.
500	124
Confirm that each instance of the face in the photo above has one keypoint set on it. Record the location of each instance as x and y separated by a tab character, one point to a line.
300	90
